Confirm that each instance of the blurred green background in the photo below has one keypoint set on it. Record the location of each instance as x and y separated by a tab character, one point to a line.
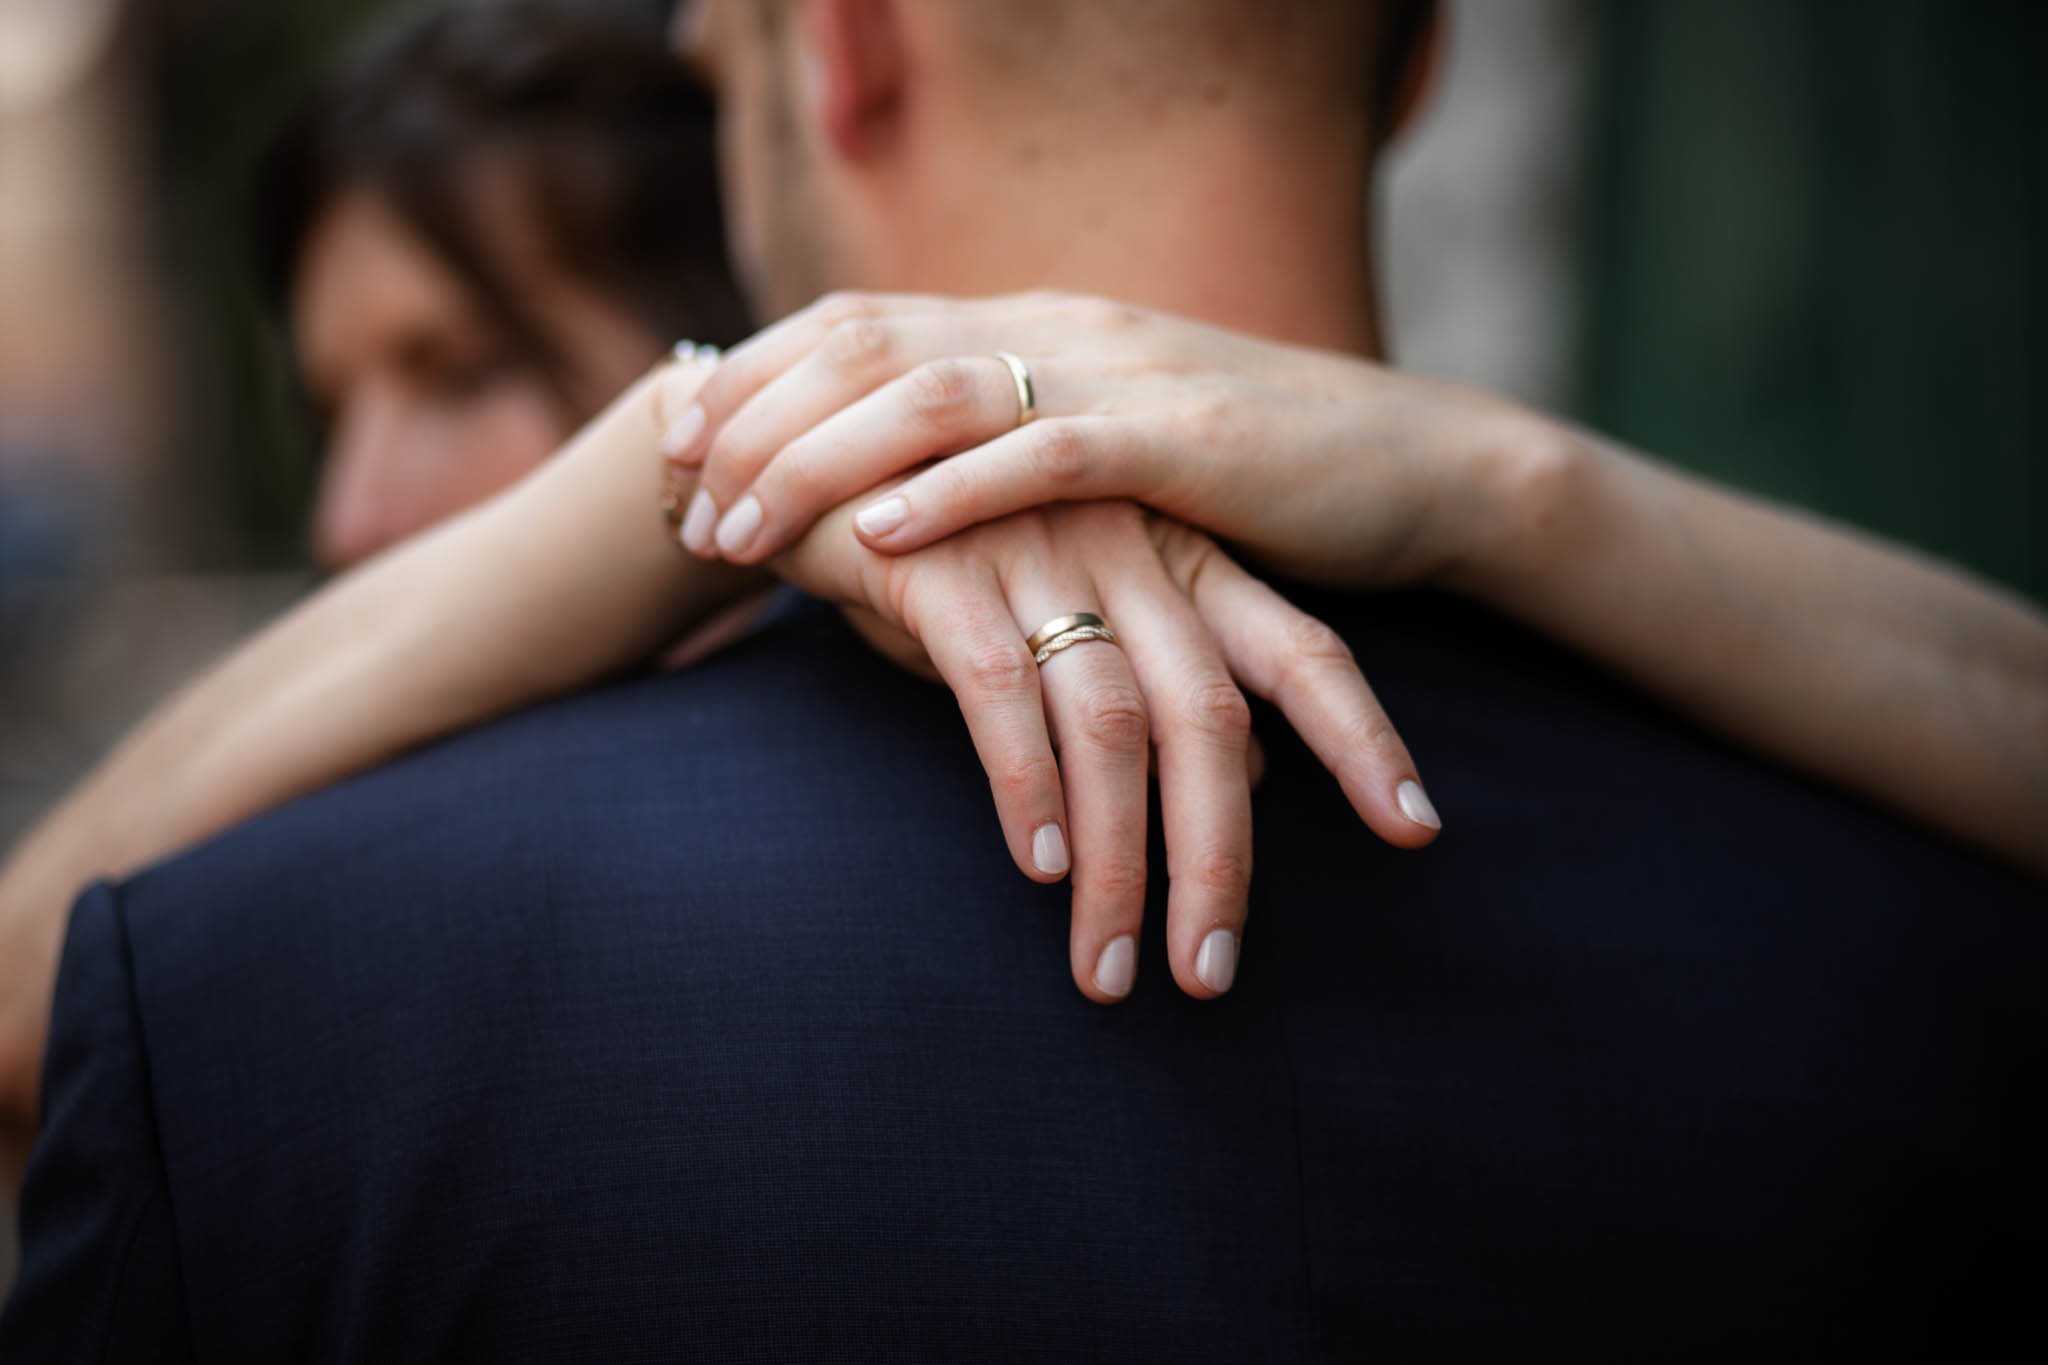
1813	242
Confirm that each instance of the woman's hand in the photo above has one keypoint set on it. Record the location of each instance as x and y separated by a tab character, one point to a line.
1841	655
1066	745
1323	466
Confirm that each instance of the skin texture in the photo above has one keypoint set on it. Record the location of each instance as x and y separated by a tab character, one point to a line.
1863	664
848	131
860	136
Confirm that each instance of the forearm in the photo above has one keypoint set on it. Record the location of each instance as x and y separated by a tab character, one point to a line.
1854	660
569	575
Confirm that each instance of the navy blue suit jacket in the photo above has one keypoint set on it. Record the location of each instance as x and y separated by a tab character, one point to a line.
706	1017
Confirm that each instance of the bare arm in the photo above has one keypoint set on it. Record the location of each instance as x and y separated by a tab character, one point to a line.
572	574
1858	661
1854	659
510	602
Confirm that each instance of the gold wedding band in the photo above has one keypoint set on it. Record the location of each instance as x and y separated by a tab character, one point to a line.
1020	375
1064	632
1060	625
1073	637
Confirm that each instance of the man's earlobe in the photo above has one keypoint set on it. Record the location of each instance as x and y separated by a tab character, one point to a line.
853	70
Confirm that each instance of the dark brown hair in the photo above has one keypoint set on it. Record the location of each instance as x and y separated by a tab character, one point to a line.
607	136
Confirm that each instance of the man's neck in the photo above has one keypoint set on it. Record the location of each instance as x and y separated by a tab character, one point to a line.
1207	225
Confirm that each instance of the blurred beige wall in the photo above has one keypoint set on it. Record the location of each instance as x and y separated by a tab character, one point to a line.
83	441
1480	202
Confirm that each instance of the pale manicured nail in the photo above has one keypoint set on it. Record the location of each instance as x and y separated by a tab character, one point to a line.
698	523
740	526
683	432
1117	968
1216	964
1415	804
1049	850
880	518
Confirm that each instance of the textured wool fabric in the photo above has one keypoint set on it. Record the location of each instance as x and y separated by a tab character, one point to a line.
705	1017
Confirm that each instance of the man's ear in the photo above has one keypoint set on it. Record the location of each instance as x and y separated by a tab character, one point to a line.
854	71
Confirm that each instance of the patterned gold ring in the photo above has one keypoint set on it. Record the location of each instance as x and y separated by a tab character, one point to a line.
1078	635
1064	632
1060	625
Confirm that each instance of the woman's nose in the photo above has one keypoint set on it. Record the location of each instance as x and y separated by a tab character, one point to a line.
361	508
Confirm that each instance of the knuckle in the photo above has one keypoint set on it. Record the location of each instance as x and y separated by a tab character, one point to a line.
1113	717
999	666
1060	453
1118	877
1017	782
939	392
859	344
1371	732
1217	711
1101	315
1224	870
1312	643
844	305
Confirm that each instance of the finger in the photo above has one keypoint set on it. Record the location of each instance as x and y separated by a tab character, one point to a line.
1288	657
676	381
938	407
748	367
850	362
968	629
1201	728
1058	459
1101	734
983	325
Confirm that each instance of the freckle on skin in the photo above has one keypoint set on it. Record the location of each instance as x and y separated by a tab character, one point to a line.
1215	94
1030	153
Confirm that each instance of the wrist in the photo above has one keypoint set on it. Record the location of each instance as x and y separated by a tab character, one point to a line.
1528	483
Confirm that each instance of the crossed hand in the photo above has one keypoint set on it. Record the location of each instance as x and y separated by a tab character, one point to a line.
888	453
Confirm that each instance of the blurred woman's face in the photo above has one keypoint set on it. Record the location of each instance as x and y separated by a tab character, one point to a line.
428	406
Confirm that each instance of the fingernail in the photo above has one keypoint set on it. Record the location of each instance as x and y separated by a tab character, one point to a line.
741	524
1216	964
697	523
1415	804
880	518
1117	968
1049	850
682	433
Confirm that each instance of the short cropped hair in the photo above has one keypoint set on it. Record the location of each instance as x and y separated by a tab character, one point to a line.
1321	56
